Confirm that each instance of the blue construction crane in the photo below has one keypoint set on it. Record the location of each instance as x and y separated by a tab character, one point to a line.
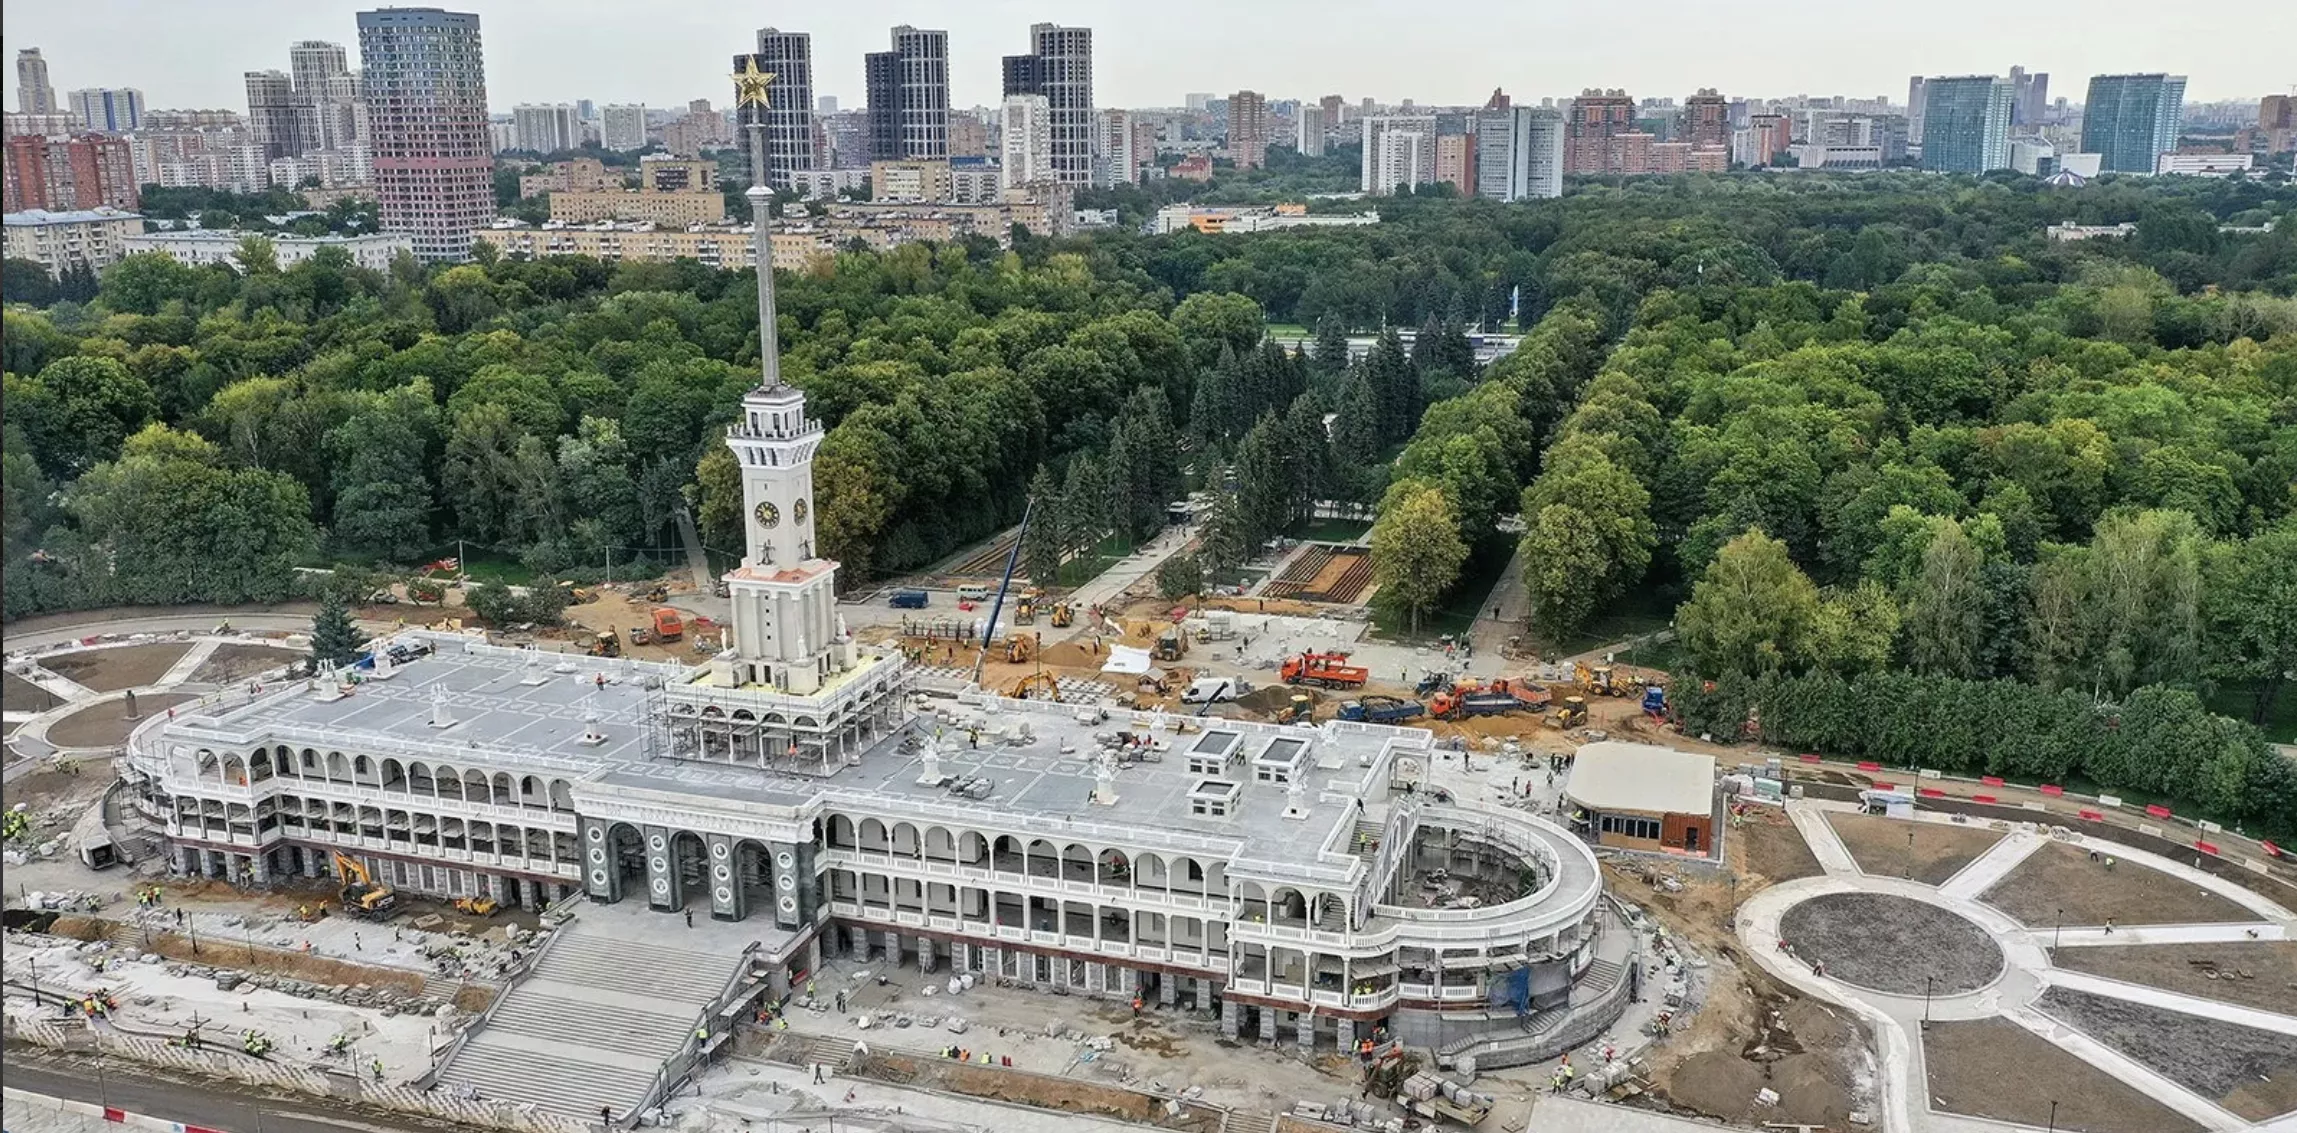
1012	558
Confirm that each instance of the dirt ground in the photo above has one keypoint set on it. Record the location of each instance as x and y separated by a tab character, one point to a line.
1994	1068
20	695
53	789
2062	876
106	724
232	662
110	670
1894	945
1760	1037
237	954
2260	974
2246	1070
1766	845
1750	1032
1879	846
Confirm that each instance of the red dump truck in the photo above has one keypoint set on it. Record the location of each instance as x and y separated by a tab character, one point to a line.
1324	670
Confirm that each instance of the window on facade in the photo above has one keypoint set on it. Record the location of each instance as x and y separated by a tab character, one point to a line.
1647	828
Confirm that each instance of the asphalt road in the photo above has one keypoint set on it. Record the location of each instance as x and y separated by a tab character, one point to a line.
217	1105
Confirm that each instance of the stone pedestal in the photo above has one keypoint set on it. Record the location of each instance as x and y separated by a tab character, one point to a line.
993	962
1305	1024
1167	989
926	961
1232	1020
892	949
960	957
1097	978
857	942
1345	1031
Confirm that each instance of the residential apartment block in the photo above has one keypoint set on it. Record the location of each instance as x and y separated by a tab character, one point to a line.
1059	67
93	238
424	73
66	174
2130	120
198	247
1966	123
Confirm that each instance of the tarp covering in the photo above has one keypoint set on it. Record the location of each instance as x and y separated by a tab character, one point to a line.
1126	659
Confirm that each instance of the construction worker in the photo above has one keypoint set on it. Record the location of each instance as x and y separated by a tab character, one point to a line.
1136	1007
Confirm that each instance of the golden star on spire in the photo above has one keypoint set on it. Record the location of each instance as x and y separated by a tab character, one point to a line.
750	83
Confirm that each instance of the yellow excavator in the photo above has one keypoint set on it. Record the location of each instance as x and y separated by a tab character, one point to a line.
477	906
362	896
1064	615
1039	685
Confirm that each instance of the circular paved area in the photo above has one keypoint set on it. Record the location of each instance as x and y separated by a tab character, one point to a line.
1894	945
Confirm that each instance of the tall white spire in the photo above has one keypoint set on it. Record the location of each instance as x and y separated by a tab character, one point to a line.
762	252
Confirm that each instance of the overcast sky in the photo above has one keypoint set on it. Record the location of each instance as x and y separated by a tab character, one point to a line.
191	53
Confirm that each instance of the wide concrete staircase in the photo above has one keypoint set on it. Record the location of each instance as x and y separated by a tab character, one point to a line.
591	1027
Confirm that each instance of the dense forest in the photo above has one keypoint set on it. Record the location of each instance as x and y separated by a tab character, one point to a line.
1846	430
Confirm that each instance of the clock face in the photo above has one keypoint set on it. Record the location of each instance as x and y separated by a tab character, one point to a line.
798	510
768	515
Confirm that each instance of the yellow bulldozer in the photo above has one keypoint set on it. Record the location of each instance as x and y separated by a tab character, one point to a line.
606	644
478	906
1064	615
1599	680
1020	649
361	894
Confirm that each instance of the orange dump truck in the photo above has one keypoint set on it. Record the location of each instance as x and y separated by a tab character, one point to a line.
668	626
1327	670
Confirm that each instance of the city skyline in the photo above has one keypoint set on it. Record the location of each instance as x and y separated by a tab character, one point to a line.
186	58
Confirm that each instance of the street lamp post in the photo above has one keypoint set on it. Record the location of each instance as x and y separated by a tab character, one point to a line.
2059	932
2053	1115
1927	981
1909	854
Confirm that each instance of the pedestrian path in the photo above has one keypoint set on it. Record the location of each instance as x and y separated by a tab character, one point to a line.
63	688
2145	1079
2171	1000
1825	844
1992	866
2161	934
189	663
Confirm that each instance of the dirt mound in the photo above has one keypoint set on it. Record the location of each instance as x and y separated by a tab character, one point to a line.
1272	698
1074	655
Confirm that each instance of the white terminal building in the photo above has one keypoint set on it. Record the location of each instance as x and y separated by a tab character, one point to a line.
1296	881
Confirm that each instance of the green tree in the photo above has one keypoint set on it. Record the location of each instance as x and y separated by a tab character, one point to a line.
1945	604
1180	576
78	410
1417	551
2251	609
381	454
27	281
335	638
1753	611
1266	488
1228	537
1041	549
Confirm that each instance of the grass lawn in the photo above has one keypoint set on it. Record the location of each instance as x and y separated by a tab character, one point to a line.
1088	565
1334	530
1289	330
2237	700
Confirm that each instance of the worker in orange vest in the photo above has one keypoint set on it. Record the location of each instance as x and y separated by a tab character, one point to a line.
1136	1007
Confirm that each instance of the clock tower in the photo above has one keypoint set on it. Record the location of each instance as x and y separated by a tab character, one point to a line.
786	634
